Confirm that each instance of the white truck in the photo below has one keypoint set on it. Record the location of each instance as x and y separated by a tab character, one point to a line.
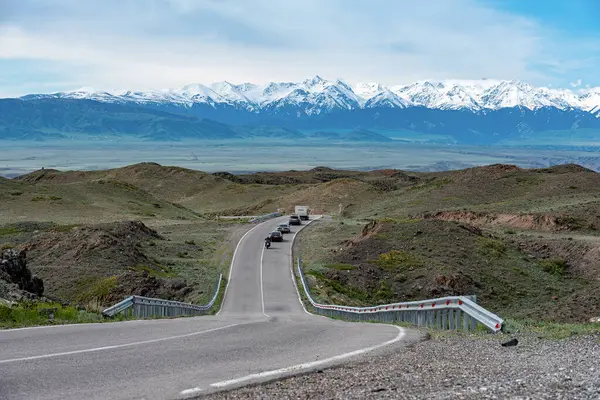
302	212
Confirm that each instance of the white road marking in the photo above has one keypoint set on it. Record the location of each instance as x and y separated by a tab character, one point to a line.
262	290
187	392
232	264
300	367
66	353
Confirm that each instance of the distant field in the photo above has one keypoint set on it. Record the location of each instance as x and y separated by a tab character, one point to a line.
401	135
581	137
272	155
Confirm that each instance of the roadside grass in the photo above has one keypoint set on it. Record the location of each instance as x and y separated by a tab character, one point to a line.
550	330
220	296
27	314
93	291
30	314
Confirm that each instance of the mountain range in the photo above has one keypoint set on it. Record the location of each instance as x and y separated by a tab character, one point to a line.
478	111
317	95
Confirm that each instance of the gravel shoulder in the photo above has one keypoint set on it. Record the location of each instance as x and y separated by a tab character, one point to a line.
453	367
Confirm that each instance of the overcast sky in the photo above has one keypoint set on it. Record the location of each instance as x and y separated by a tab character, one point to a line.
54	45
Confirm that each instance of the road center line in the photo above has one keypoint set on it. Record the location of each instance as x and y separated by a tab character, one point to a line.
308	365
66	353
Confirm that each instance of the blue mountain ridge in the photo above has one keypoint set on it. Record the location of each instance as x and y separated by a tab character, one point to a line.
56	118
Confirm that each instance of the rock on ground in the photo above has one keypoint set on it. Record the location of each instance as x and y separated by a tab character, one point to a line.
13	270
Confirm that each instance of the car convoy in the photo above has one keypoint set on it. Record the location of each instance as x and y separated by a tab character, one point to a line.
301	213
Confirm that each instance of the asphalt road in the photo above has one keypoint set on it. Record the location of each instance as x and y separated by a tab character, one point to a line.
262	332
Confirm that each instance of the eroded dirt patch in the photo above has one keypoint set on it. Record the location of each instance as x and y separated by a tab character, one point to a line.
538	222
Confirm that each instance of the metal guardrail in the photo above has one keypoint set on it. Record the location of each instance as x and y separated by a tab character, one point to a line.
144	307
447	313
262	218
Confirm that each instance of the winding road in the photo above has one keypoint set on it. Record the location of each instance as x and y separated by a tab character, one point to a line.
262	332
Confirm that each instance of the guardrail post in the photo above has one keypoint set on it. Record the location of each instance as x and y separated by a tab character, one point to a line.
468	322
457	315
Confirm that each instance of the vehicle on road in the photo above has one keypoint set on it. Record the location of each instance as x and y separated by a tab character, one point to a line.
302	212
267	242
295	220
276	236
284	228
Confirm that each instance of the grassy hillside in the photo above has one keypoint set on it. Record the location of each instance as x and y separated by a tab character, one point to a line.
196	190
84	202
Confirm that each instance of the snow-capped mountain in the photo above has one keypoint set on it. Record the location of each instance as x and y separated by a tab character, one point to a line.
316	95
464	112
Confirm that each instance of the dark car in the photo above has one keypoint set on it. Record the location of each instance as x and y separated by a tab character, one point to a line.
295	220
276	236
283	228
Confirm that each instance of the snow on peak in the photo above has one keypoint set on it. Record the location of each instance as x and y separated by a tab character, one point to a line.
315	95
195	89
314	81
515	94
368	90
387	98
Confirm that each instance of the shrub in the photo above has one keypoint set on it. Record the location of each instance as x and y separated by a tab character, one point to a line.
554	266
397	260
493	248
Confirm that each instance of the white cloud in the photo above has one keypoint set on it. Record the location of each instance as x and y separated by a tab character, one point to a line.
169	43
